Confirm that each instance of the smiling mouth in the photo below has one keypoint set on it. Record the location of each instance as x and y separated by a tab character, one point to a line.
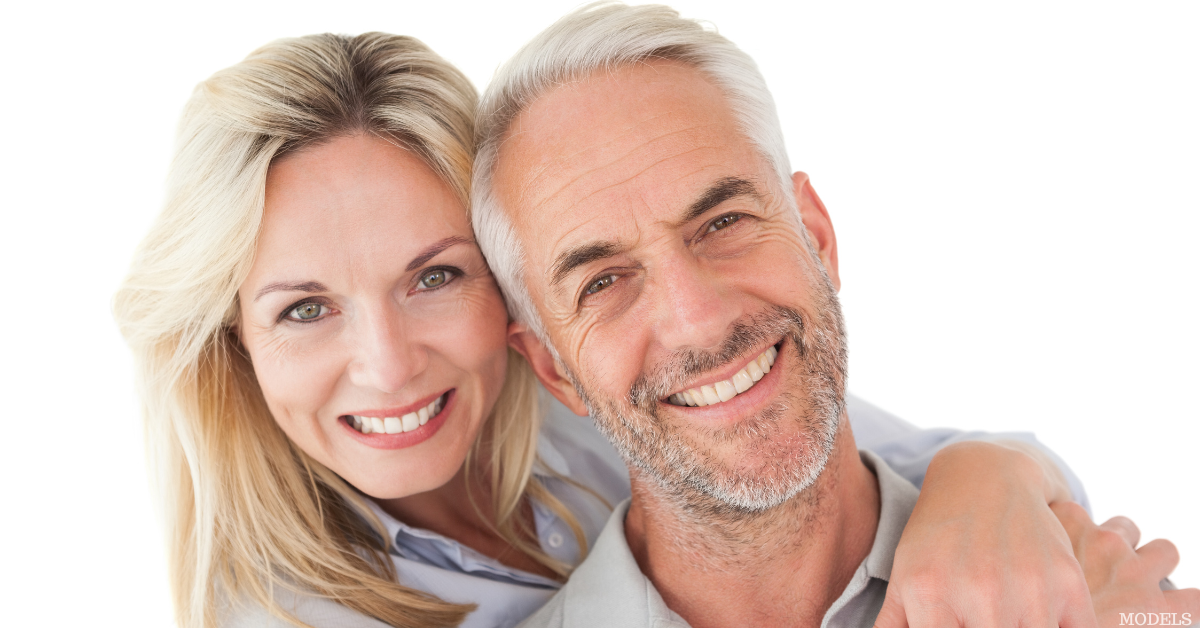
398	424
722	391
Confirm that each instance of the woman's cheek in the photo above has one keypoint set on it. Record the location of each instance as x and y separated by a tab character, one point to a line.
485	322
296	382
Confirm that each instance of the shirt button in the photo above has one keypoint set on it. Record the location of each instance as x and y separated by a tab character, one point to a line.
555	540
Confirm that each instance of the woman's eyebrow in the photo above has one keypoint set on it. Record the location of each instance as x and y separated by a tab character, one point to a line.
291	286
433	250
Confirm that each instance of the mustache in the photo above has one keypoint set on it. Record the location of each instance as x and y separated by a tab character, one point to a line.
747	335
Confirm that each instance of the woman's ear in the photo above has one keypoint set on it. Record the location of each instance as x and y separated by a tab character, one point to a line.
819	226
547	369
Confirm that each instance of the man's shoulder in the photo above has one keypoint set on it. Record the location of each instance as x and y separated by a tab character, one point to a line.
607	589
603	579
549	616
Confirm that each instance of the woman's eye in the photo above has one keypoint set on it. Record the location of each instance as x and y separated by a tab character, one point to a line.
434	278
308	312
722	222
600	284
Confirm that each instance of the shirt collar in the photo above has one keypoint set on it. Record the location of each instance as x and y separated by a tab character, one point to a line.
897	498
610	585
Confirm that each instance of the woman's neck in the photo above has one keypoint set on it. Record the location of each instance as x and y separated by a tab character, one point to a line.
448	510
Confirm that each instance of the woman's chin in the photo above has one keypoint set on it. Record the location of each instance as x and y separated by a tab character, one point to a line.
400	485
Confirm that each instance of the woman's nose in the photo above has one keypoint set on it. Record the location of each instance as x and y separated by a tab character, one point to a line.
386	358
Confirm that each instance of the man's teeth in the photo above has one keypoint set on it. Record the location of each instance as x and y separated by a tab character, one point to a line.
741	381
396	424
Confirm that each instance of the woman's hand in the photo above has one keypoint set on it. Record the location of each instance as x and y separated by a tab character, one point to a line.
1125	581
983	547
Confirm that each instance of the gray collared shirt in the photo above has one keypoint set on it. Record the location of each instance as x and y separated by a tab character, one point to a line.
609	589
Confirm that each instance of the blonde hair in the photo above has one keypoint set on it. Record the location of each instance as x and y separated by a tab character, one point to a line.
246	511
604	36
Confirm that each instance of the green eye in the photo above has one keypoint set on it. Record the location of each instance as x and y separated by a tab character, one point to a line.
433	279
722	222
308	312
600	284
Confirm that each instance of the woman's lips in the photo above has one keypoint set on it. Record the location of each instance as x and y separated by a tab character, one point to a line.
434	413
397	424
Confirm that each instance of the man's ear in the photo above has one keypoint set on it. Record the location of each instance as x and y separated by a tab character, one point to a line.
819	226
545	367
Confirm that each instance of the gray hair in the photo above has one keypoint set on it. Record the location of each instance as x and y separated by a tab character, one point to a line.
604	36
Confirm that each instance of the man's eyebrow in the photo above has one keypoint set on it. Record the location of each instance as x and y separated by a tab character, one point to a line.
719	192
290	286
577	256
432	251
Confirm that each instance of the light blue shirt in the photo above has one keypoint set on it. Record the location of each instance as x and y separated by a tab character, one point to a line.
572	447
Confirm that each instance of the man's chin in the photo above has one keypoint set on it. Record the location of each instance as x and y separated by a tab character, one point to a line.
768	486
738	480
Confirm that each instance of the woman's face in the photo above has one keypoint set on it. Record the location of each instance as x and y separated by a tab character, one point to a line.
369	304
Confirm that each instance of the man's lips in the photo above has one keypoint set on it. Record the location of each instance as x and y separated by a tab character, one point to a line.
724	390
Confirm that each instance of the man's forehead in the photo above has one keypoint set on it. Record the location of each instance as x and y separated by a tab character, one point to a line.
613	150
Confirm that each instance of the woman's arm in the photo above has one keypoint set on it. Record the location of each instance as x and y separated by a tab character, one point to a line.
984	548
909	450
988	544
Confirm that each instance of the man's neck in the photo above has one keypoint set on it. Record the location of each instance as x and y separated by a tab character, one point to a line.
785	566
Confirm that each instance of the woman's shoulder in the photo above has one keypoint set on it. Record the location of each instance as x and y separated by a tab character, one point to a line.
316	611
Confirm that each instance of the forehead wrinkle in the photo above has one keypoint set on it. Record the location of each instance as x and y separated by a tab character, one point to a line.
544	206
560	164
572	156
553	276
644	171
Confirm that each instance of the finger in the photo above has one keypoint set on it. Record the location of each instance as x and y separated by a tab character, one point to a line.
892	614
1125	527
1077	610
1071	515
1159	557
1184	601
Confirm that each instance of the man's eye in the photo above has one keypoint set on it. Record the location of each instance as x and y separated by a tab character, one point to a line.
308	312
600	284
434	278
722	222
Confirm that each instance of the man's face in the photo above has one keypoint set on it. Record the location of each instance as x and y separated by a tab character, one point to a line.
669	266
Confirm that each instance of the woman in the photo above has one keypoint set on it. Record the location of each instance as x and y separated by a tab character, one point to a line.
264	493
337	427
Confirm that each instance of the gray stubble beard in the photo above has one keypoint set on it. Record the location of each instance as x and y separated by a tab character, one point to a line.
690	476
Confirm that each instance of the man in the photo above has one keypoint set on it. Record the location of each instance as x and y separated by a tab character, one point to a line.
672	277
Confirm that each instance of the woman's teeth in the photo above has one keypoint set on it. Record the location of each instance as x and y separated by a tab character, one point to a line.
741	381
397	424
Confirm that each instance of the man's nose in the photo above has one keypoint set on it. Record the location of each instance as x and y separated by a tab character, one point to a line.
693	309
387	357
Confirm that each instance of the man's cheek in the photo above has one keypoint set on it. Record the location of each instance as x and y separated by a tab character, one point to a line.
600	351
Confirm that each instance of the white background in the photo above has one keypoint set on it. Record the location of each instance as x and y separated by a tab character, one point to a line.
1014	186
